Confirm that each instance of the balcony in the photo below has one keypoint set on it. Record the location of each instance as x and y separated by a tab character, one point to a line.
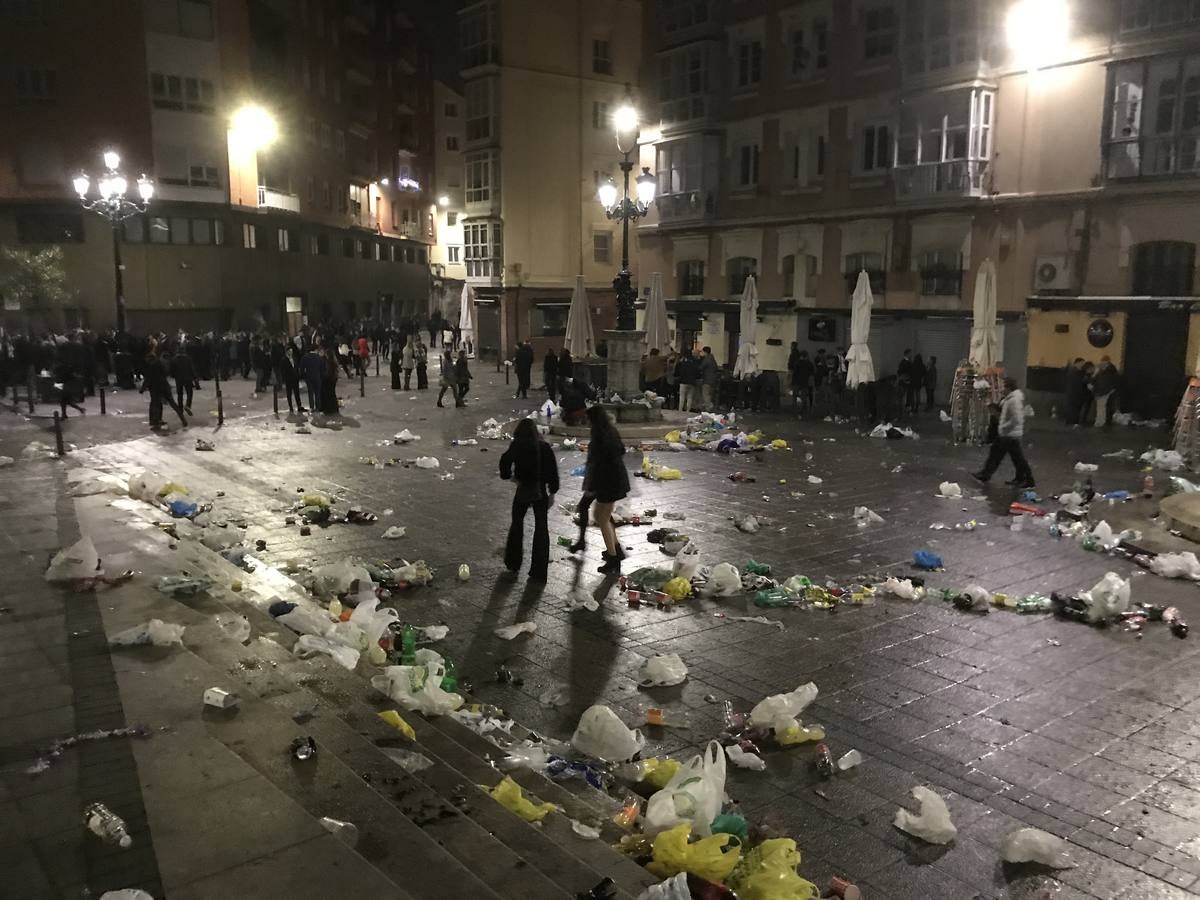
953	179
284	201
686	206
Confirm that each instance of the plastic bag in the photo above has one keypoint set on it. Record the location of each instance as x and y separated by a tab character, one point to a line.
346	832
601	734
687	561
1105	537
146	486
1183	486
678	589
418	687
663	671
1086	468
405	437
723	581
338	577
768	872
309	645
372	619
674	888
949	490
673	437
1035	845
1110	597
394	532
931	822
744	760
694	795
393	718
155	632
866	516
1176	565
184	585
747	524
427	462
233	626
306	619
658	472
927	560
658	772
1170	460
408	760
899	587
711	858
126	894
509	795
464	572
782	711
508	632
80	560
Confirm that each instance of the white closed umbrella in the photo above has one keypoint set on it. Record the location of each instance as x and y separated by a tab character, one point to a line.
580	339
466	315
859	367
658	333
747	358
985	349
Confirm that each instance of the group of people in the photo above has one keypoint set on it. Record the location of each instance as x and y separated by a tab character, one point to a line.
1090	392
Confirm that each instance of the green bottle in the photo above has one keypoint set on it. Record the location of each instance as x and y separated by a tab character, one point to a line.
450	679
408	646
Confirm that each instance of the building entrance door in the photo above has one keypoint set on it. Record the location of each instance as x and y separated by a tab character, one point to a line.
1155	364
293	309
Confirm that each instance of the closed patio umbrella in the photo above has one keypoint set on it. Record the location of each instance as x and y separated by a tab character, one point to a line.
466	315
985	351
580	339
658	332
859	367
747	358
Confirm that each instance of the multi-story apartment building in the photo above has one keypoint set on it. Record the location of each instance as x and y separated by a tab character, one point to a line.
330	221
806	140
540	83
446	255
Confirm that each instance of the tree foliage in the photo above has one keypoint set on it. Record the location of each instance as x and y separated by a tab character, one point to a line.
36	279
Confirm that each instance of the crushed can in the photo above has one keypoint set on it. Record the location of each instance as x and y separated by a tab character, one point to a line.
304	749
843	889
634	598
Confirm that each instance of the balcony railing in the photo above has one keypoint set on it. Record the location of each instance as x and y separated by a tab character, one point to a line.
954	178
686	206
283	200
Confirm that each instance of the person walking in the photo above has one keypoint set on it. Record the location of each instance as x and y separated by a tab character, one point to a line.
1074	391
155	381
904	372
290	378
262	365
312	366
184	373
710	379
802	382
918	382
408	360
687	374
449	380
607	479
821	375
1104	387
931	380
462	377
422	356
394	361
329	378
530	462
362	348
523	363
1009	431
550	374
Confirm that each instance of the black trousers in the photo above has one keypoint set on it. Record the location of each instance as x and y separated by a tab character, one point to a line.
1008	446
523	382
314	395
293	394
929	398
157	399
514	547
182	390
552	389
422	377
582	509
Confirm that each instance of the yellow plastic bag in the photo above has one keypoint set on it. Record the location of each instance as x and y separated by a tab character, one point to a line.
755	438
779	444
711	858
393	718
678	589
768	872
315	500
173	487
673	437
659	472
800	734
509	795
660	771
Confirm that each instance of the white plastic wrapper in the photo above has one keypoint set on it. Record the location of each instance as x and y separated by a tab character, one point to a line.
782	711
80	560
155	632
931	822
949	490
508	632
601	734
1176	565
427	462
663	671
899	587
744	760
1035	845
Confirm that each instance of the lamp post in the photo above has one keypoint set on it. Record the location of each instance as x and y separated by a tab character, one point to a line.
114	206
626	209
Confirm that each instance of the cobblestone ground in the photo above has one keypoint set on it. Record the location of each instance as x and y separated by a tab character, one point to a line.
1018	720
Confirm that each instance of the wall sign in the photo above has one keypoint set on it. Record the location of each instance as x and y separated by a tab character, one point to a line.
1100	333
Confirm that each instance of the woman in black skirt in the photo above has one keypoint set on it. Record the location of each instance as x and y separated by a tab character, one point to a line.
607	480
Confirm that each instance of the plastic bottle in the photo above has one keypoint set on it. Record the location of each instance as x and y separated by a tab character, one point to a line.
450	678
106	825
757	568
408	646
1148	486
1034	603
824	761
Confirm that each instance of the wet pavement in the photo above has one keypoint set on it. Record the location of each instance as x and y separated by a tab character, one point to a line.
1018	720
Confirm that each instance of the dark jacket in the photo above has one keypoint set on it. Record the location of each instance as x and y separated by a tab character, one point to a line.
462	373
566	366
312	366
606	475
524	359
550	367
154	371
687	370
182	369
533	468
1105	379
904	371
802	374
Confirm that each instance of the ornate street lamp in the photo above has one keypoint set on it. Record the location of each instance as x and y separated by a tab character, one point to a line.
627	209
114	206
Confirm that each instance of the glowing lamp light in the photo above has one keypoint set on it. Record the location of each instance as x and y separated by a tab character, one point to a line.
625	123
1037	30
608	194
81	184
385	181
646	186
443	200
112	159
145	188
254	127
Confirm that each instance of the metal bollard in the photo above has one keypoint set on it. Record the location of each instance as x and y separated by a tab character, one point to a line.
376	365
103	405
29	396
362	383
220	410
58	438
275	397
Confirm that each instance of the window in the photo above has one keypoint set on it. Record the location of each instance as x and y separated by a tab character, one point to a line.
1164	269
450	110
679	15
872	264
477	39
808	48
160	230
480	120
601	58
182	93
483	249
599	114
451	218
36	84
348	247
180	230
379	250
941	273
745	165
133	230
204	176
355	196
326	196
251	235
876	149
50	228
1154	117
940	34
550	321
288	240
683	84
362	249
454	254
680	167
804	158
740	268
602	246
422	256
1140	15
690	277
944	144
478	172
185	18
451	142
748	63
339	143
326	136
879	32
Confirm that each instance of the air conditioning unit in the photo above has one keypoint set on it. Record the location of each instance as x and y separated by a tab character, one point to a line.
1050	274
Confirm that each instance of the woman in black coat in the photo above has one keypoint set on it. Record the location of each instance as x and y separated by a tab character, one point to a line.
530	462
607	480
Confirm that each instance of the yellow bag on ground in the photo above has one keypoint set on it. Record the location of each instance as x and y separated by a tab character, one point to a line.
800	734
678	589
509	795
660	771
779	444
393	718
659	472
673	437
768	872
315	500
712	858
755	438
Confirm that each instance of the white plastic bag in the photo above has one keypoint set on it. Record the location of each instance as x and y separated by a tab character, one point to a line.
663	671
744	760
394	532
601	734
372	619
427	462
1086	468
866	516
694	794
233	626
674	888
949	490
1110	597
931	822
1163	459
1035	845
409	760
405	437
899	587
747	524
723	581
944	416
813	479
1105	537
418	687
687	561
337	578
464	572
146	486
155	632
309	645
782	711
508	632
306	619
80	560
1176	565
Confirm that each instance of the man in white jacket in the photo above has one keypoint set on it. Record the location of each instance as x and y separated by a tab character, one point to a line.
1009	432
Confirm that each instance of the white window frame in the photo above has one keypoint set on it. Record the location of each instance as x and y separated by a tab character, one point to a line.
684	83
483	249
454	253
479	99
602	63
748	63
477	36
480	182
600	115
882	147
602	246
879	35
249	236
